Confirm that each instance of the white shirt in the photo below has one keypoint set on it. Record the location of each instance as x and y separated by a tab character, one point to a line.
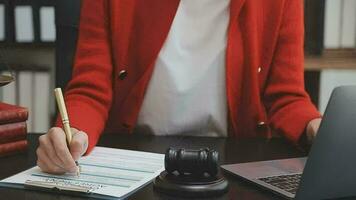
187	94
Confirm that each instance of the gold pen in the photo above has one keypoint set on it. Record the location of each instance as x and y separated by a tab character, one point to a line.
65	120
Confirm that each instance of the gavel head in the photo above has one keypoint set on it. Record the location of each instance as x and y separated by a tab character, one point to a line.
192	162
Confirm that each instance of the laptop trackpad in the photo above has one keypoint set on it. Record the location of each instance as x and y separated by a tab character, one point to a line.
260	169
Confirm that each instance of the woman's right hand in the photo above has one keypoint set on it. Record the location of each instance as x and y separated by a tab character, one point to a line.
53	155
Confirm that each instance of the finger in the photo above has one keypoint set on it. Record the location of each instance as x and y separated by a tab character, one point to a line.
58	140
47	146
79	144
47	169
46	165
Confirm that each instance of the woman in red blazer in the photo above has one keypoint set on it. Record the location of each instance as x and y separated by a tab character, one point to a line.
119	42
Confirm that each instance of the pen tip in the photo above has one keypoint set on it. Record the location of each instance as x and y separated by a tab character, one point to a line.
79	169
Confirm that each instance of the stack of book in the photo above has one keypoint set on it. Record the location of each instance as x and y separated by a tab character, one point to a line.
13	129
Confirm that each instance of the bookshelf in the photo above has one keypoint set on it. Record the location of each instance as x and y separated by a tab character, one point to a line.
325	47
332	59
330	34
28	49
330	47
28	22
329	60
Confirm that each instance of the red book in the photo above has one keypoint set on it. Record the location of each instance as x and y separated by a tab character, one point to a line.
13	132
13	148
11	113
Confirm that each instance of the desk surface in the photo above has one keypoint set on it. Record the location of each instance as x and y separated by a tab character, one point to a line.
231	151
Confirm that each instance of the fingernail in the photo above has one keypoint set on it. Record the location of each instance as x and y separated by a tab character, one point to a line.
73	170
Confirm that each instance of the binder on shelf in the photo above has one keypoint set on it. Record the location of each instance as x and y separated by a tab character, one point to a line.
24	26
333	21
45	21
340	24
47	24
41	92
348	35
2	22
27	21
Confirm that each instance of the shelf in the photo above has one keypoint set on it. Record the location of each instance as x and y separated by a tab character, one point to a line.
42	45
332	59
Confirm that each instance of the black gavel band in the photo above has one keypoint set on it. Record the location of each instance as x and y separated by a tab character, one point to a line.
192	162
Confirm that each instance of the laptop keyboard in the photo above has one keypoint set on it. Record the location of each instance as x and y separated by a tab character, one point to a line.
287	183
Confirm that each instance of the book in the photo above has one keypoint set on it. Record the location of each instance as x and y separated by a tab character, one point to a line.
12	132
13	148
11	113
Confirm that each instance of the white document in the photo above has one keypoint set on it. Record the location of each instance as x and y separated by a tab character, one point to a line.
2	22
47	24
106	171
24	24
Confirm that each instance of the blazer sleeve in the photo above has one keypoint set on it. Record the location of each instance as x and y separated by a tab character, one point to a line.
288	105
89	93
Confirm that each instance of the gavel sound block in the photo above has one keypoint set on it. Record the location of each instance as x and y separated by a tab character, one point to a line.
191	173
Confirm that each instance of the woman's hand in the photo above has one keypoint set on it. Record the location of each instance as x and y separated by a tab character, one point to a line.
312	129
53	155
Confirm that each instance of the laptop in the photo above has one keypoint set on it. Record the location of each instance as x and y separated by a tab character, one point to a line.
330	169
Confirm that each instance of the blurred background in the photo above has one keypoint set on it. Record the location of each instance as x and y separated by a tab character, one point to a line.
38	37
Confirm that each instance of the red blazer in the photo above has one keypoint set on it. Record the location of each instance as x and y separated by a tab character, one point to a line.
119	41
